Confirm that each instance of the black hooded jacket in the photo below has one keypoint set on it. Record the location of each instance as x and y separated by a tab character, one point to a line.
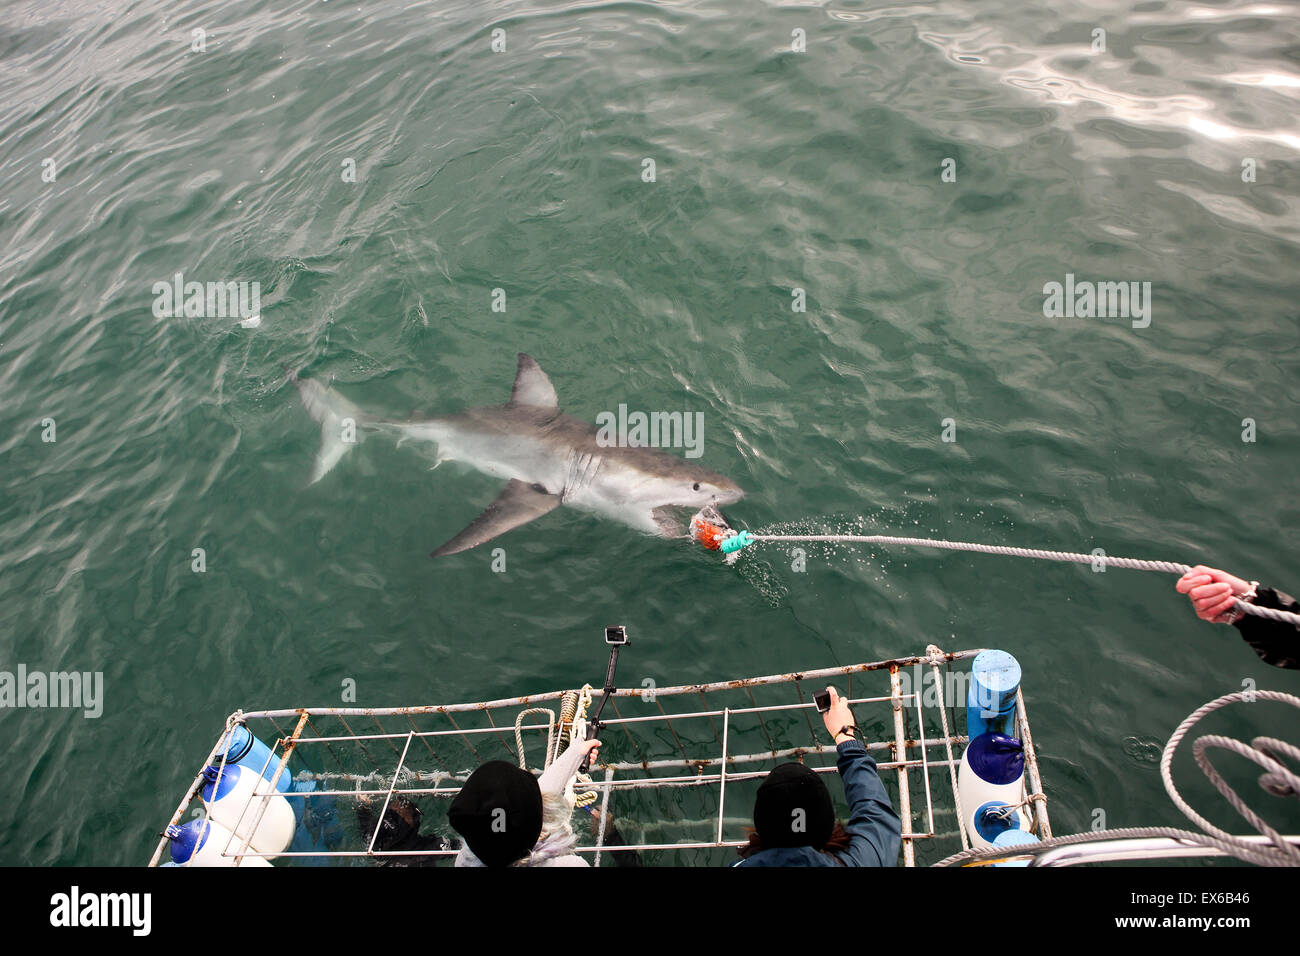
1276	642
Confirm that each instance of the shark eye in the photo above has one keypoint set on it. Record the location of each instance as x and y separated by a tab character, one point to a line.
697	486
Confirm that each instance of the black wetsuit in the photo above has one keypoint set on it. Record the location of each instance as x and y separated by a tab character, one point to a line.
1276	642
397	834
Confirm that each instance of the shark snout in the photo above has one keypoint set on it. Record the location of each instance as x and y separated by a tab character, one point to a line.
728	494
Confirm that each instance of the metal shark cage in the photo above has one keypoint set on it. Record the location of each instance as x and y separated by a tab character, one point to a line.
677	772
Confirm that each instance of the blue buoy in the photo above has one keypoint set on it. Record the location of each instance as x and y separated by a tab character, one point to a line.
245	749
1014	838
991	696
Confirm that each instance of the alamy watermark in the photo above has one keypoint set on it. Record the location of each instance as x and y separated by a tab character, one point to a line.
76	908
75	689
956	687
208	300
653	430
1101	300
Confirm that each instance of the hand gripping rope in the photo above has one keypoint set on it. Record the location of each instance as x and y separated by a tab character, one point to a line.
710	529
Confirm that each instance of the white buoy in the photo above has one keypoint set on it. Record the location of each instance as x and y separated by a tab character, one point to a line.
991	783
236	798
201	842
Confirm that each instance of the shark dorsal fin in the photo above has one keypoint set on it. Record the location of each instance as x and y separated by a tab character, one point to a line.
532	387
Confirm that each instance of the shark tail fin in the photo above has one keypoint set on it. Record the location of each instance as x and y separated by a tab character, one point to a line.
340	422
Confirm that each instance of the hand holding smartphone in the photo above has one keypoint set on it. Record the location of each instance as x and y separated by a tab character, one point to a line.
834	709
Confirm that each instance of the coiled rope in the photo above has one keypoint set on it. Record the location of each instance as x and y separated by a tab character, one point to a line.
1102	560
519	733
578	731
1278	780
571	726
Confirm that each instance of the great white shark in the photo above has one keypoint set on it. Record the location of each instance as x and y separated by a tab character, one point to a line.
547	459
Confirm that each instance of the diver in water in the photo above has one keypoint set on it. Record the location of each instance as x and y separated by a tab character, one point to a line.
1213	592
613	839
794	820
400	831
508	817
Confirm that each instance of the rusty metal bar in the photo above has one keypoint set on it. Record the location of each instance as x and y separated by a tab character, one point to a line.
712	725
808	720
671	729
1036	795
509	749
925	763
382	731
620	720
327	746
623	692
353	736
900	754
761	722
428	746
947	743
652	782
471	747
628	733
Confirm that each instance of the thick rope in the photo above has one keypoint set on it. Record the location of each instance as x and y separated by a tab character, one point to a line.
574	712
578	731
1104	560
519	734
1280	780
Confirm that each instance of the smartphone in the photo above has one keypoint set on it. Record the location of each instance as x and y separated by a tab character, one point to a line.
616	634
823	701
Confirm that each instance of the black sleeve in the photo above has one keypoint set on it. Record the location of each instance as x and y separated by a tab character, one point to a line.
1276	642
365	821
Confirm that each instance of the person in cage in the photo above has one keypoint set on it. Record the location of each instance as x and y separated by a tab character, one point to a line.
794	819
1213	594
508	817
400	831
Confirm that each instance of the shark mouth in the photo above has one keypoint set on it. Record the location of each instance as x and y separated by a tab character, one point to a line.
709	528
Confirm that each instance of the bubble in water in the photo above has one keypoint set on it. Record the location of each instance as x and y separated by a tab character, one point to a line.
1144	750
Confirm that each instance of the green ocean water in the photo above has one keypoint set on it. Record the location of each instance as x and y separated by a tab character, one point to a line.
523	170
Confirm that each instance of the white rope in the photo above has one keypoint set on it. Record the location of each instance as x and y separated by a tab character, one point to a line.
1279	780
519	734
1104	560
578	731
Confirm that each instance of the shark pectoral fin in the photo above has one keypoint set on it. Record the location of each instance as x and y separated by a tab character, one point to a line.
532	387
518	503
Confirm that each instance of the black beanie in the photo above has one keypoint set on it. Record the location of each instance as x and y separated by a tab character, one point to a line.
498	812
789	789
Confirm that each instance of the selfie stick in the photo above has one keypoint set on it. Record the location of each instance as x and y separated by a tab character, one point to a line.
594	725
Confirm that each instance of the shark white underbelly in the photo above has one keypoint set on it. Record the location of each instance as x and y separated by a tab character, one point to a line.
547	459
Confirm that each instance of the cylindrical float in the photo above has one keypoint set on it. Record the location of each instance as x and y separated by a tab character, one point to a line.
1011	839
246	750
200	843
991	695
235	798
991	784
